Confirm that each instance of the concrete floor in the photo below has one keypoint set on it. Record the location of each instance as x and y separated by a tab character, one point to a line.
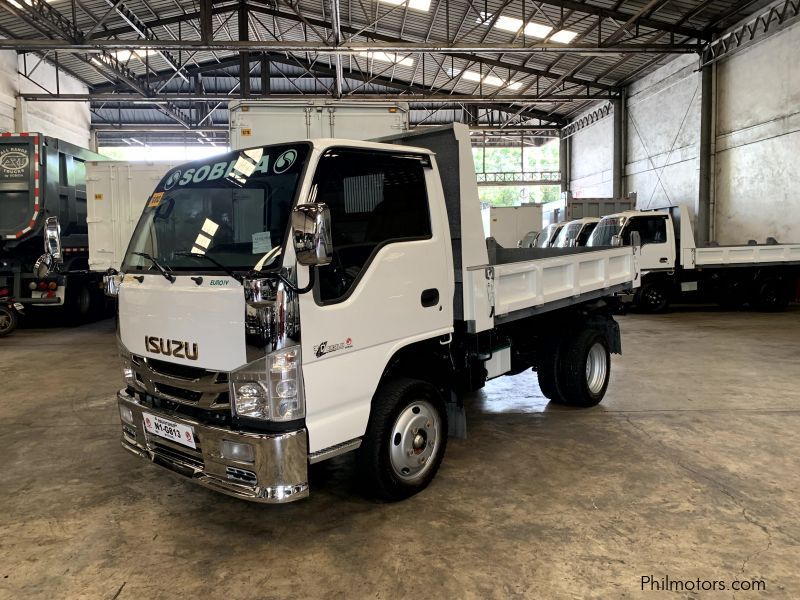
689	469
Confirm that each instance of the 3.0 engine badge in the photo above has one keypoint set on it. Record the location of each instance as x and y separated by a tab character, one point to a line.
173	348
324	348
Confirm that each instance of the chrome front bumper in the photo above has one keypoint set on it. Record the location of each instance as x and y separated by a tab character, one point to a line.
278	473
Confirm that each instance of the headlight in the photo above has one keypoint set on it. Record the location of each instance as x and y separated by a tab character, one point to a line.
271	388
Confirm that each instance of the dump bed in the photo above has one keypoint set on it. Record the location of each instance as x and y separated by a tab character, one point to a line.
496	285
730	256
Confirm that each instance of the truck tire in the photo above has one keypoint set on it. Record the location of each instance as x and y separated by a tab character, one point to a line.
773	295
8	321
584	368
80	303
651	298
405	440
547	370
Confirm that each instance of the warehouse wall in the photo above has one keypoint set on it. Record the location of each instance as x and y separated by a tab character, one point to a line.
758	142
66	120
663	135
592	157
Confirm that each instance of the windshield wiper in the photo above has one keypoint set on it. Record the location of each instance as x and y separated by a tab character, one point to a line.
162	270
215	262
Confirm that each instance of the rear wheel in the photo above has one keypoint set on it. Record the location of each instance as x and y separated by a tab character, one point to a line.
547	370
584	368
773	295
405	440
80	303
8	321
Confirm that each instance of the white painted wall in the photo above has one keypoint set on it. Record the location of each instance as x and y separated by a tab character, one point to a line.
69	121
663	135
758	142
592	159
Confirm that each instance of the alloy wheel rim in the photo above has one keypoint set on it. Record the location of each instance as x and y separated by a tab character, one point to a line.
414	442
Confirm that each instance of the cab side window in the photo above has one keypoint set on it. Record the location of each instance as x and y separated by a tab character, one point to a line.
652	230
375	199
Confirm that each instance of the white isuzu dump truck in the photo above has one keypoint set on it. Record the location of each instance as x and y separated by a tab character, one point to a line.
282	305
675	268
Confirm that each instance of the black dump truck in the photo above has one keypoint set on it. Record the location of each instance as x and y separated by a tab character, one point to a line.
44	242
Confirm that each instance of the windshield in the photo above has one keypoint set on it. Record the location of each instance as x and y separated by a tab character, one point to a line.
569	233
606	229
545	235
232	208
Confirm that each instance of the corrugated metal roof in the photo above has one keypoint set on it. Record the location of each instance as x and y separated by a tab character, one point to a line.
448	22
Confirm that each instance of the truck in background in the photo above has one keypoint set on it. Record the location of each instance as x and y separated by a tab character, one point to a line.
576	233
568	208
674	268
117	192
508	225
282	305
43	203
255	122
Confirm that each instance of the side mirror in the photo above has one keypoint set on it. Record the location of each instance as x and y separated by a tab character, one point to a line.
111	281
52	239
311	234
616	241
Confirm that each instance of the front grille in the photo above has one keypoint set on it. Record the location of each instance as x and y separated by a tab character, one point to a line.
205	416
175	370
176	392
188	385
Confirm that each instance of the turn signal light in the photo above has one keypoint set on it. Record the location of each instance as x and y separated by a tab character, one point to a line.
53	285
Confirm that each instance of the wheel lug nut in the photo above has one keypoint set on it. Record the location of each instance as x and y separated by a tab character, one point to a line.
422	460
411	453
428	425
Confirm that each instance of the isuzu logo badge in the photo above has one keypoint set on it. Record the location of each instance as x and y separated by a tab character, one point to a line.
173	348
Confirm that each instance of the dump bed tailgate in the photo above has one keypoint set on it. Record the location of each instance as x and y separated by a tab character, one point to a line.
506	292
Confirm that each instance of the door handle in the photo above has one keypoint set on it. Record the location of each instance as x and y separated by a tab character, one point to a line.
663	259
429	297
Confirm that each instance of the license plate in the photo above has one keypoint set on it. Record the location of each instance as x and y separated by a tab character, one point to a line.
169	430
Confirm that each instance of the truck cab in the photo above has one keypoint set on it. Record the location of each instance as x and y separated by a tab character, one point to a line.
656	235
576	232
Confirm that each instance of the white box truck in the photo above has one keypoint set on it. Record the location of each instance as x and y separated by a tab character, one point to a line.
510	224
116	193
763	275
285	304
258	122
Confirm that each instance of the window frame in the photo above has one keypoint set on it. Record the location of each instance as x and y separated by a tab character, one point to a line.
426	164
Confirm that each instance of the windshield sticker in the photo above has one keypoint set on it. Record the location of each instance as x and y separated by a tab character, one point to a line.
155	199
262	242
173	179
285	161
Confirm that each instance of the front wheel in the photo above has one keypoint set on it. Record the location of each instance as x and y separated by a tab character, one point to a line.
584	368
651	298
8	321
405	440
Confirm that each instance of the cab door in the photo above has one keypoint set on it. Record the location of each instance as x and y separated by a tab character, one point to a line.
390	283
658	242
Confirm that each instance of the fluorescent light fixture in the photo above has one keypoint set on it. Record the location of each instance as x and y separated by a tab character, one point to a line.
537	30
565	36
513	25
423	5
487	79
389	57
